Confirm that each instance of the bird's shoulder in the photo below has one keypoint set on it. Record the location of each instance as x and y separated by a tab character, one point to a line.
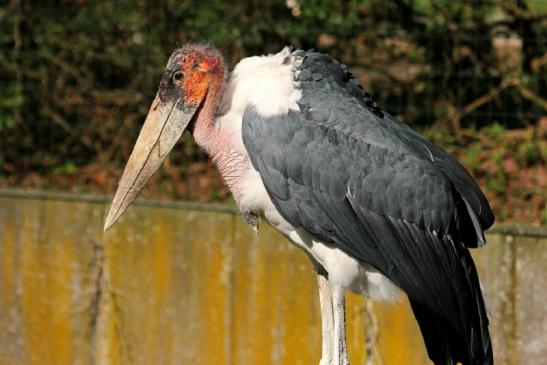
317	70
339	140
333	97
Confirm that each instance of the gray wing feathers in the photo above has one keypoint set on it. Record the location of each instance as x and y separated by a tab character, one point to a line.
355	177
333	85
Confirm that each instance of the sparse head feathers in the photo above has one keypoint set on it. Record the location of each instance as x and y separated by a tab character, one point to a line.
198	54
192	68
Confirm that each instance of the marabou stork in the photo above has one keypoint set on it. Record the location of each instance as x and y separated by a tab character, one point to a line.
376	206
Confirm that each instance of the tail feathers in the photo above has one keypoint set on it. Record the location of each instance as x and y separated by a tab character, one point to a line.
445	346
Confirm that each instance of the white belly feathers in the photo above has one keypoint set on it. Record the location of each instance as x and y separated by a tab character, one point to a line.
343	270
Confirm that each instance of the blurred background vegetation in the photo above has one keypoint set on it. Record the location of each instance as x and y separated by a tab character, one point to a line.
77	78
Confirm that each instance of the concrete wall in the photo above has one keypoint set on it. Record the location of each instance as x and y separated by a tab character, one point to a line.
186	285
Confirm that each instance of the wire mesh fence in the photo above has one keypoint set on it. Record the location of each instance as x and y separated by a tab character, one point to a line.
77	83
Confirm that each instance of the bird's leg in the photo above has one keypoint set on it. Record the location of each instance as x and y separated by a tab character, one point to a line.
339	308
327	324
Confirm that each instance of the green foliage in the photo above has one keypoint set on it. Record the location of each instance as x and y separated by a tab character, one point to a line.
67	167
215	195
471	158
77	77
497	181
529	153
12	99
495	131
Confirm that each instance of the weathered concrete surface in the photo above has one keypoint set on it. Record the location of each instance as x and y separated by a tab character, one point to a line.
178	286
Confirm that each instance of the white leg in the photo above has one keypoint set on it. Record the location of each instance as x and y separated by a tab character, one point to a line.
340	348
327	324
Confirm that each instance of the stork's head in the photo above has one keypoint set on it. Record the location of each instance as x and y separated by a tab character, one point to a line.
193	73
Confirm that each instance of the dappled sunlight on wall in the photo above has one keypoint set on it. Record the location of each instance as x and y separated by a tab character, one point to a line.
181	286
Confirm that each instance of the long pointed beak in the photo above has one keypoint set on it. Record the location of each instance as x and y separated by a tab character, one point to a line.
165	123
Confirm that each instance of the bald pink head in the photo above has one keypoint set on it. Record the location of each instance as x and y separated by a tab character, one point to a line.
187	98
190	72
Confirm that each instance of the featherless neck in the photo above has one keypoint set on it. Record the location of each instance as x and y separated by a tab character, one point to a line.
218	142
205	132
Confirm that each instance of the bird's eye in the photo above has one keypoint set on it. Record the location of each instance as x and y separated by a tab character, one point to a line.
177	76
